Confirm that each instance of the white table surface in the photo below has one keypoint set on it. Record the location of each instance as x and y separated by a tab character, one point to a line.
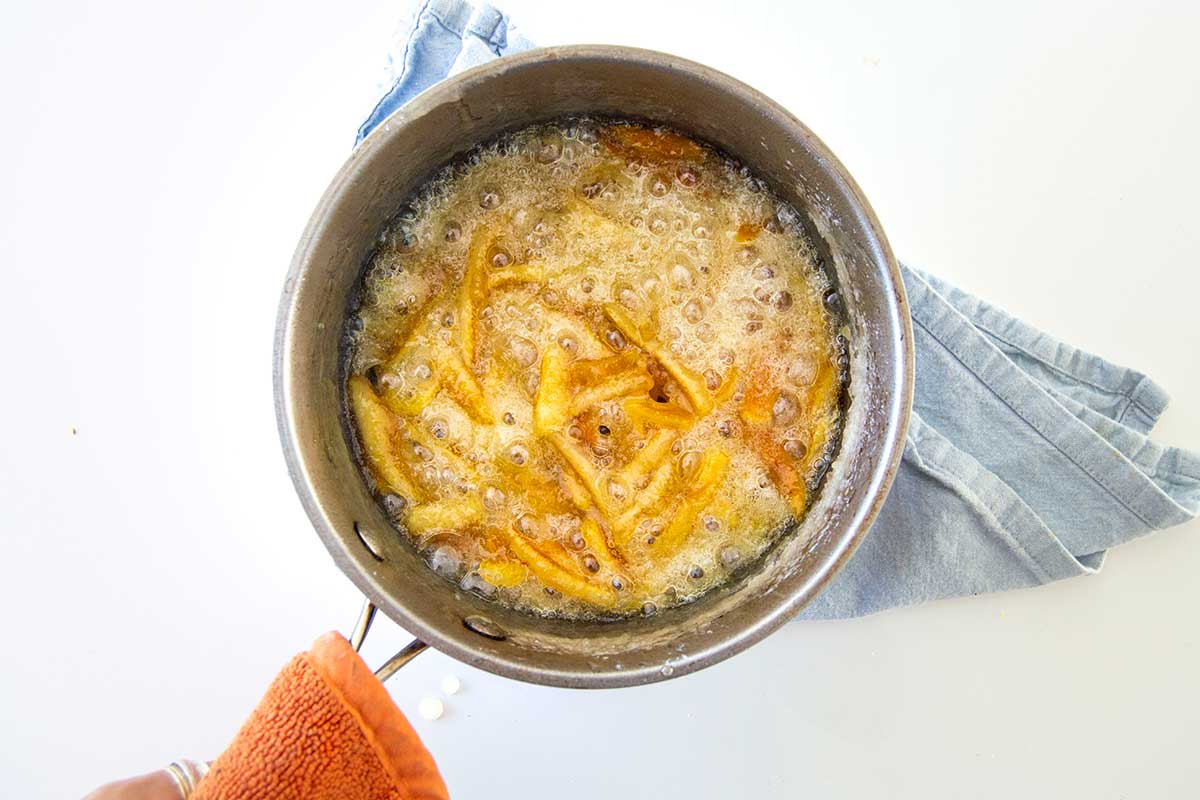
157	163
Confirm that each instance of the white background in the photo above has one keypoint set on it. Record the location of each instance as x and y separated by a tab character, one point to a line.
157	164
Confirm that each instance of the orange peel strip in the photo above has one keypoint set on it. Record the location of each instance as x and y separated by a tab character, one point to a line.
559	579
649	501
708	480
657	447
553	398
689	380
378	430
473	292
596	541
461	384
450	514
625	384
658	415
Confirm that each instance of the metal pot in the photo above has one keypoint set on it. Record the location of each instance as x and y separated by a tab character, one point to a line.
389	165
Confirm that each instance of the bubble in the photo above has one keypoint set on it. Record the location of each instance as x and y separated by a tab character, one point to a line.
452	232
782	300
696	573
590	563
474	582
490	198
422	452
499	258
657	225
518	454
550	148
762	273
531	383
523	351
687	175
724	428
526	524
785	409
493	497
730	555
587	132
762	294
795	448
405	239
689	463
802	371
700	232
394	505
623	293
787	215
615	339
681	276
576	540
445	561
587	285
439	427
575	432
569	344
509	419
617	490
726	355
711	523
712	379
705	332
617	583
390	381
649	609
659	184
693	312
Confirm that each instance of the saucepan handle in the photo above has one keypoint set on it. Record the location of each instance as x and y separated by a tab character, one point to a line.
393	664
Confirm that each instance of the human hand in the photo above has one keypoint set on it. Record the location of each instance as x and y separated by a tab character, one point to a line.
175	782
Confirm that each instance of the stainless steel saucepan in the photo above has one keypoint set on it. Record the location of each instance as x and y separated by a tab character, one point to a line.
388	166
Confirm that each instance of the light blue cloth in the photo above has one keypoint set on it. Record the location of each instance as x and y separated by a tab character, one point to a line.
1026	458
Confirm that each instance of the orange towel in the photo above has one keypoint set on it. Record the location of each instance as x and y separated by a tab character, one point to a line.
325	729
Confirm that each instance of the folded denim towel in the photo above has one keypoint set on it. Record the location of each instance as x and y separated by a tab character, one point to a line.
1026	458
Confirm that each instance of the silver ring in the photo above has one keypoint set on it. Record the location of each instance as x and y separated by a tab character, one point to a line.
186	774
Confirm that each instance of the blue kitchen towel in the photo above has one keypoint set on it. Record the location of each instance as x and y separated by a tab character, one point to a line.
1026	458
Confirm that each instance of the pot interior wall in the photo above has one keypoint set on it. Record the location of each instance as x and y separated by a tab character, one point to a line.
394	161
